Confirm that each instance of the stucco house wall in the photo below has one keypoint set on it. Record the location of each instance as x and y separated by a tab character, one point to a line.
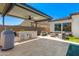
75	25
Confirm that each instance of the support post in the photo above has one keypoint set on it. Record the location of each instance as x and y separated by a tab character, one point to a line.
3	21
62	29
36	25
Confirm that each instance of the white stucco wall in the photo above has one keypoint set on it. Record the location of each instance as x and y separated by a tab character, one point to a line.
51	27
75	25
56	22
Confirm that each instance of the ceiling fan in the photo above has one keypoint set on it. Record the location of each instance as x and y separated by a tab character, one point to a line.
30	18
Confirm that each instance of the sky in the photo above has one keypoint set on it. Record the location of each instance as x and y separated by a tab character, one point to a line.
55	10
11	20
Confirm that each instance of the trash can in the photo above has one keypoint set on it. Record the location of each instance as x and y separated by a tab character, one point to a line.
7	40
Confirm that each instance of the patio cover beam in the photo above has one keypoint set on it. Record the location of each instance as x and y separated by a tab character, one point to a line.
7	8
42	20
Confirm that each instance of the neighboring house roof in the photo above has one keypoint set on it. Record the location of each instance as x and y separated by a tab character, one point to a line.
66	18
76	13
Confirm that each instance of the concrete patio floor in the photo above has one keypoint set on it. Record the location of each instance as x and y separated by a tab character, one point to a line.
41	46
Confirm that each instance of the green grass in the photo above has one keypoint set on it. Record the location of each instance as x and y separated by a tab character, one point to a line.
72	39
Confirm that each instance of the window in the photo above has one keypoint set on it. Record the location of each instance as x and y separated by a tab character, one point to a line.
58	27
67	27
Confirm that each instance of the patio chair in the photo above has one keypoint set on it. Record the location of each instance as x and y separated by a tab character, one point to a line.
52	34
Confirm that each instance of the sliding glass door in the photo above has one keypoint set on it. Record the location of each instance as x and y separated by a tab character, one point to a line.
65	27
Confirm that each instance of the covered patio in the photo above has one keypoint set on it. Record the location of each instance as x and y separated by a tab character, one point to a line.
34	20
24	11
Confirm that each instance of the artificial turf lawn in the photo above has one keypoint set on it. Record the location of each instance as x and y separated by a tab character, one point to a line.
72	39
